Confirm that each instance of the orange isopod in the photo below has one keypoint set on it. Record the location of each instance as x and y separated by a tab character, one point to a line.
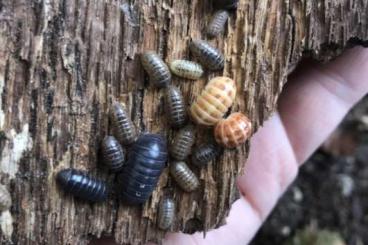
233	131
214	101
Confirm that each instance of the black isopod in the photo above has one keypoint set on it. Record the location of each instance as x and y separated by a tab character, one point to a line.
156	69
175	107
113	154
182	144
207	55
166	213
146	160
123	127
80	184
225	4
217	23
205	153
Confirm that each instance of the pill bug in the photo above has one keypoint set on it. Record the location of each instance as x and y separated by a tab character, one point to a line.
233	131
5	199
214	101
80	184
225	4
175	107
182	144
187	69
123	127
185	178
166	213
207	55
146	160
217	23
113	154
156	69
205	153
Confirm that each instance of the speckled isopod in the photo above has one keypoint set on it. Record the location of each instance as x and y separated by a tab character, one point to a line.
187	69
156	68
182	144
225	4
146	160
123	127
185	177
113	154
233	131
5	199
205	153
214	101
207	55
175	107
217	23
166	213
82	185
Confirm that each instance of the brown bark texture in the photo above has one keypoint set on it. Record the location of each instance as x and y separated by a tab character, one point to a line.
62	62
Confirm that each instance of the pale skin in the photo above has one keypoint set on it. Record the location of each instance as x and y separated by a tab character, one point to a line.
314	101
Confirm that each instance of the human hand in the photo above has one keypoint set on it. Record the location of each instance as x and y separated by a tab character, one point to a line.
314	101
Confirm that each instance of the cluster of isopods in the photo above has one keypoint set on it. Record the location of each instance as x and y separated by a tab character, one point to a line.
148	153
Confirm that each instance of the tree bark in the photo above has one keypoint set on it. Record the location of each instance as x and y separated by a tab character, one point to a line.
63	61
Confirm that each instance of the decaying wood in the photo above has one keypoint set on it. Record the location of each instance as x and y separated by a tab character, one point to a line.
63	61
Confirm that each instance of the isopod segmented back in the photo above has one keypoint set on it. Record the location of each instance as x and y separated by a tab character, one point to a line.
166	213
207	55
184	176
182	144
82	185
217	23
214	101
186	69
156	69
113	154
123	127
205	153
175	107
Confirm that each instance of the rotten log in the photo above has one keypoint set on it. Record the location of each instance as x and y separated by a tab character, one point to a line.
63	61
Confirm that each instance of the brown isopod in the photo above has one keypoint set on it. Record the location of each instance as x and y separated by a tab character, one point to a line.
175	107
5	199
233	131
166	213
113	154
217	23
182	144
123	127
207	55
156	68
214	101
185	178
187	69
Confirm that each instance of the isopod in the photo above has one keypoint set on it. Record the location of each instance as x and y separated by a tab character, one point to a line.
233	131
205	153
123	127
113	154
82	185
217	23
187	69
226	4
175	107
182	144
5	199
214	101
166	213
207	55
185	178
156	68
146	160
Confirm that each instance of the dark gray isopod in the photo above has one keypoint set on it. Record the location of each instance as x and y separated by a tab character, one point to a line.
146	160
175	107
113	154
207	55
156	69
166	213
185	177
182	144
225	4
217	23
205	153
123	127
82	185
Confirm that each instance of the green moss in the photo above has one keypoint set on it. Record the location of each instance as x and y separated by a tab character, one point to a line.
311	236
